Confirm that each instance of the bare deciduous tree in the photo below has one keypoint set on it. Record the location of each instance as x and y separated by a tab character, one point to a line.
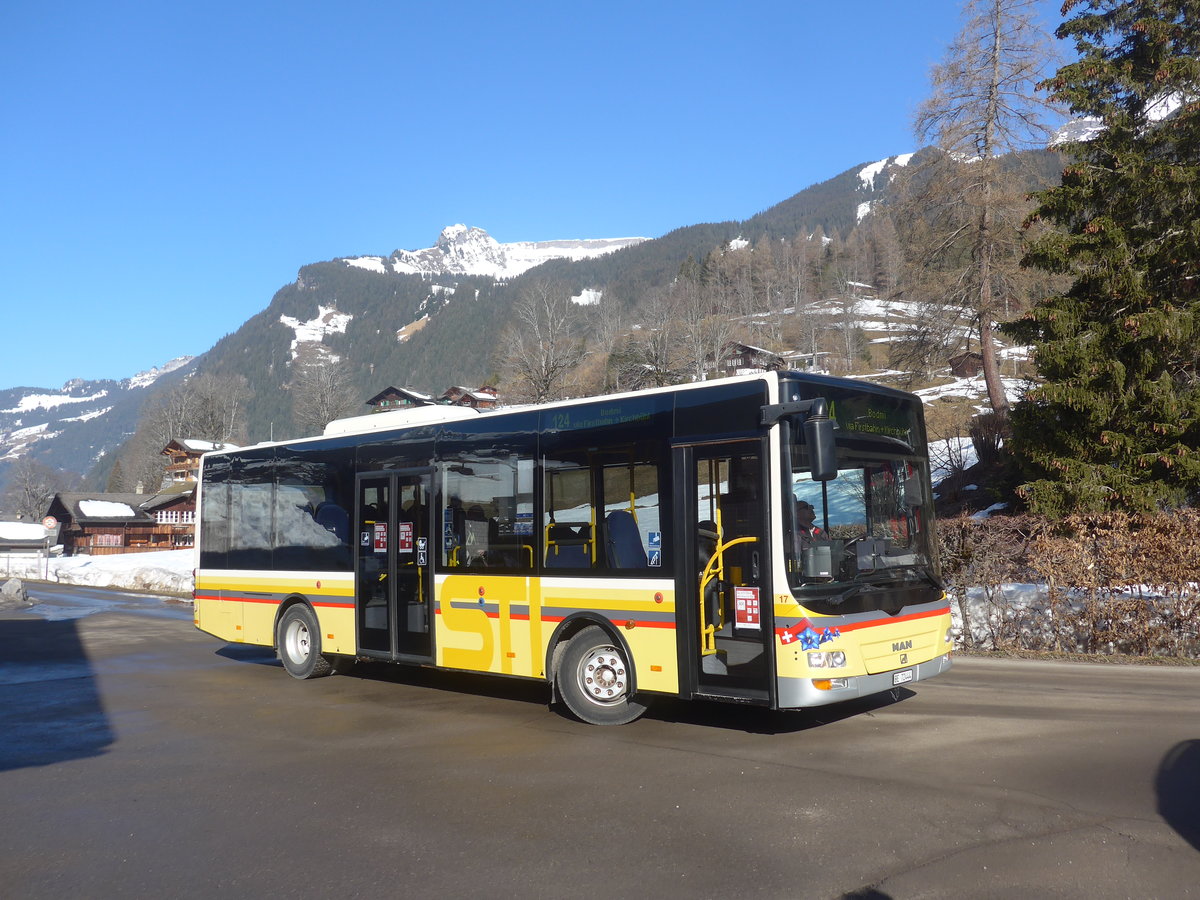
32	486
649	356
541	346
983	106
205	407
320	392
705	319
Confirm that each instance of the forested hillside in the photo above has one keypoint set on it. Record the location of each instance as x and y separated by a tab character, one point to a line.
790	278
787	279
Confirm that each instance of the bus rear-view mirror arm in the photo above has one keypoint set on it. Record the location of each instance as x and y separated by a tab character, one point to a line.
818	433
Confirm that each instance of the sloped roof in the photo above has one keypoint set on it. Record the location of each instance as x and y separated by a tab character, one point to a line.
172	494
191	445
100	508
416	396
22	536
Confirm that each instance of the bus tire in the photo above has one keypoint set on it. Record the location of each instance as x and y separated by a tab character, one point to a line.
298	643
594	679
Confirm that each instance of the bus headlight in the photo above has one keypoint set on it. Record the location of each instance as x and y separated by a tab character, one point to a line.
822	659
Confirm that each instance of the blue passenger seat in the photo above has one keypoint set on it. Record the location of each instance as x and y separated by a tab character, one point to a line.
623	542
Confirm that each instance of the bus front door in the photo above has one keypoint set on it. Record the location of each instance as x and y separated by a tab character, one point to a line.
727	570
393	573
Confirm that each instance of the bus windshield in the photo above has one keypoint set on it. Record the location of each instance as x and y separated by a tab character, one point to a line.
863	540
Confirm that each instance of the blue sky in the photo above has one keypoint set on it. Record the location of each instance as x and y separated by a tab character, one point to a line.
166	167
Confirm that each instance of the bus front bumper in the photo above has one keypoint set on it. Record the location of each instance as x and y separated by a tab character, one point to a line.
799	693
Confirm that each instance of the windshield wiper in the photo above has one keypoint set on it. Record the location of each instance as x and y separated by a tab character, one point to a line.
880	581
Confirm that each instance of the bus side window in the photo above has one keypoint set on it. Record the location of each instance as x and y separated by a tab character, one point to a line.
482	520
633	537
568	527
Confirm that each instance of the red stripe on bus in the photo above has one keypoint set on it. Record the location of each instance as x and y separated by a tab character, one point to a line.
815	623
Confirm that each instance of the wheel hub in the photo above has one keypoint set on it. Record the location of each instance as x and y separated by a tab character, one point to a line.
604	675
298	641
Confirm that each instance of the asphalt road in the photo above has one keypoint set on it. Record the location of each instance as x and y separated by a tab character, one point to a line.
141	758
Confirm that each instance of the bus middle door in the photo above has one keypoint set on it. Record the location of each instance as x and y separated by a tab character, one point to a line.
394	573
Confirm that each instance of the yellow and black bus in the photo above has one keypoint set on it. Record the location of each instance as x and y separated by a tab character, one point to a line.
655	543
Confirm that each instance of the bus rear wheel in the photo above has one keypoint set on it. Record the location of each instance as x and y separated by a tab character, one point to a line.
594	680
298	642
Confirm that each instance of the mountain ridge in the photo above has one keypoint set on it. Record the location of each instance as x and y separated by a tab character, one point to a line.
428	318
467	250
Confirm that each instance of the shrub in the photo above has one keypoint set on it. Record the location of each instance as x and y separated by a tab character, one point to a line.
1111	583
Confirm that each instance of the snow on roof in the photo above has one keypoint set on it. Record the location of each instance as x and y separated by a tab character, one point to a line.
106	509
22	531
204	446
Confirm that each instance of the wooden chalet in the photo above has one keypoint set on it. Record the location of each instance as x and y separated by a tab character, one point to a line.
966	365
394	398
184	456
745	359
486	397
100	524
174	512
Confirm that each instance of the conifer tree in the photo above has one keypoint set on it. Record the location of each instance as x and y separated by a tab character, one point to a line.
1116	422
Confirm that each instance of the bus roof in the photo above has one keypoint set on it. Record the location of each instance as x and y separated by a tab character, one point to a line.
436	414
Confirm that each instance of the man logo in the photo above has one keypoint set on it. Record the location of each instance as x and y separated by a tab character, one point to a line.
901	645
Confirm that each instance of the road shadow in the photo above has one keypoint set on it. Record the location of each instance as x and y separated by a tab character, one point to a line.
759	720
1178	789
50	708
250	653
733	716
500	688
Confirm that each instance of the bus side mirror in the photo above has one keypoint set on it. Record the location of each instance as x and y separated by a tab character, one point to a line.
822	450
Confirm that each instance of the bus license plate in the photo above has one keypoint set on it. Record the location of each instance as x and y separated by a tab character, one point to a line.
902	677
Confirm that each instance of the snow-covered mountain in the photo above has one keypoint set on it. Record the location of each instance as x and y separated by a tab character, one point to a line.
875	179
463	250
72	427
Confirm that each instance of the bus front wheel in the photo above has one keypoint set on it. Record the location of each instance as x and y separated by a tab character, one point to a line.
594	680
299	644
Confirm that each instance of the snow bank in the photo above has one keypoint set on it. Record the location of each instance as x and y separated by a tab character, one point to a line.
166	571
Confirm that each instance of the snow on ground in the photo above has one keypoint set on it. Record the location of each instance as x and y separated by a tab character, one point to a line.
370	263
145	379
327	321
949	456
983	611
31	402
89	416
166	571
973	388
587	297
